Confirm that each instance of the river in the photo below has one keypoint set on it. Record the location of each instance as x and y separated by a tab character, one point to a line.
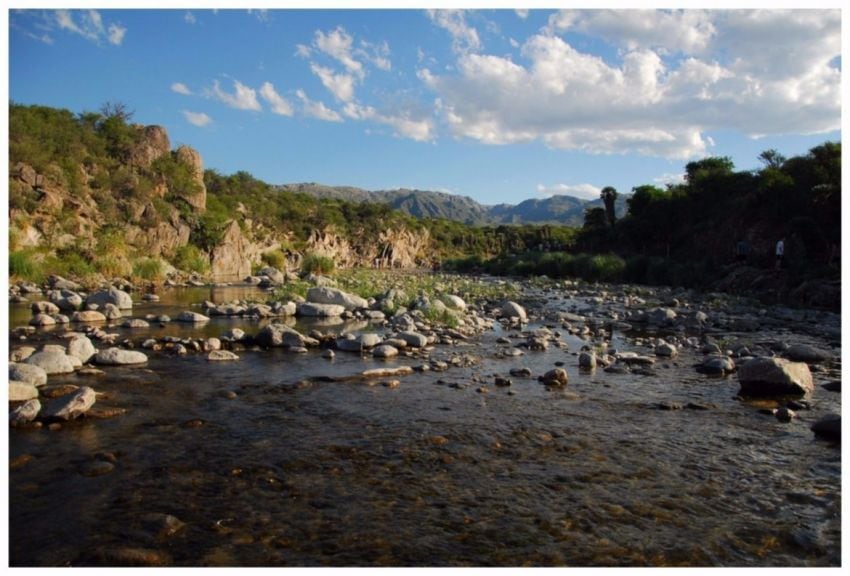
262	464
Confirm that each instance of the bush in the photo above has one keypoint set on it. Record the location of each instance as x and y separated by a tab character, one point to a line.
189	258
24	265
149	269
275	259
317	264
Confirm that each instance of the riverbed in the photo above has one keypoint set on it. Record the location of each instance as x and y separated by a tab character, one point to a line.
267	461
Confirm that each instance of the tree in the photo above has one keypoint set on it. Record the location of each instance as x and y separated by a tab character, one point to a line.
643	196
609	197
772	159
594	218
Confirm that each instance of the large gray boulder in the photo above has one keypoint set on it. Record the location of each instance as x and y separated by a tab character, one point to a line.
279	335
73	405
81	347
313	309
29	373
118	357
328	295
764	376
112	296
414	339
52	362
514	310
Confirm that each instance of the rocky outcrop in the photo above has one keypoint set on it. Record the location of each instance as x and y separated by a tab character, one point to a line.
234	255
163	239
153	143
191	158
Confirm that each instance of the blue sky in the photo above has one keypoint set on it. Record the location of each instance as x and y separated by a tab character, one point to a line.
499	105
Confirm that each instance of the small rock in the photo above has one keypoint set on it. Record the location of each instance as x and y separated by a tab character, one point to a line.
72	405
88	316
828	427
587	360
385	351
784	414
521	372
556	377
221	356
25	413
191	317
118	357
502	382
96	468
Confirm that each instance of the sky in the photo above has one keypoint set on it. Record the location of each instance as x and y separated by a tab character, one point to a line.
500	105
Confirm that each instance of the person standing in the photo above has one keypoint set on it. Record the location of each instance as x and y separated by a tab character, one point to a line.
780	252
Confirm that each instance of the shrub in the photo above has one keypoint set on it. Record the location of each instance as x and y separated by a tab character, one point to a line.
275	259
189	258
23	264
149	269
317	264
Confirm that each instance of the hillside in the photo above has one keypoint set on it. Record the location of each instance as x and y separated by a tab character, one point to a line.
555	210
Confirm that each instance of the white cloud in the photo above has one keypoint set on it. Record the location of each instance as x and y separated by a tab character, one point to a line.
732	70
244	98
277	102
197	118
337	44
464	37
116	34
181	88
190	18
303	51
88	24
404	124
316	109
377	54
583	191
677	31
340	85
522	14
670	179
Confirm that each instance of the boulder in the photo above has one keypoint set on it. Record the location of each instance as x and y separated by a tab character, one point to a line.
19	391
111	311
133	323
385	351
556	377
277	335
454	302
587	360
828	427
328	295
414	339
191	317
44	307
88	316
118	357
313	309
42	320
661	316
221	356
764	376
211	344
717	365
666	350
514	310
195	195
273	274
26	412
112	296
806	353
73	405
21	354
81	347
52	362
28	373
359	342
66	300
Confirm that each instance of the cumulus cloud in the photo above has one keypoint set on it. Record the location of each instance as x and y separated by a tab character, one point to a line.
316	109
89	24
661	94
197	118
340	85
521	13
243	98
190	18
278	103
337	44
670	179
404	124
464	37
181	88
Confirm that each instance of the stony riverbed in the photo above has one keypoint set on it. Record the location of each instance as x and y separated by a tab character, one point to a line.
569	424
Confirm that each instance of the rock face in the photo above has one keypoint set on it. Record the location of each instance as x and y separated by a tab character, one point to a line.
153	144
191	158
233	257
72	405
322	295
764	376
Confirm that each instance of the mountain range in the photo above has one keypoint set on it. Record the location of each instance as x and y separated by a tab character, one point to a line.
558	209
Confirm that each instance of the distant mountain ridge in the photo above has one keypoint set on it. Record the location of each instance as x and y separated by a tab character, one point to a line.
560	209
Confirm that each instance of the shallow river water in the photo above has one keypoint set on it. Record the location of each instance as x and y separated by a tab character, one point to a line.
436	471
